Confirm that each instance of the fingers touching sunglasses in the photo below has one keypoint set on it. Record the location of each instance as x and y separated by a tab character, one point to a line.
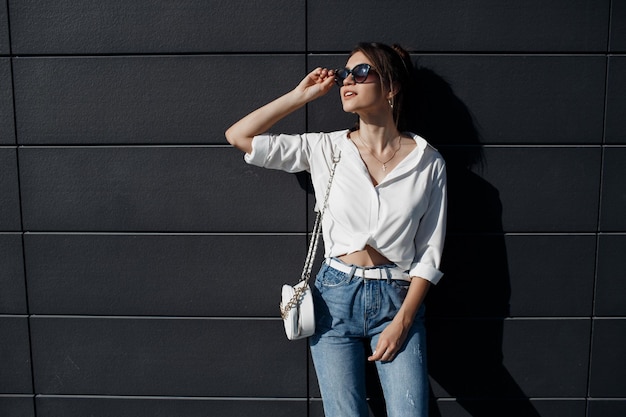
359	74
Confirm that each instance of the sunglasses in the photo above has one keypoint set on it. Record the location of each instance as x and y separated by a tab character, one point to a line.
359	74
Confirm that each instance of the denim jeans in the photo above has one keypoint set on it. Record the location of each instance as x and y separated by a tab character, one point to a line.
351	312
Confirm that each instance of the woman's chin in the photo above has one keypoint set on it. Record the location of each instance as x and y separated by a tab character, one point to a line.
348	108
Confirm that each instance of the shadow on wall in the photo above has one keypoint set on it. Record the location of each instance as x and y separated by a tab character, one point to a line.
466	310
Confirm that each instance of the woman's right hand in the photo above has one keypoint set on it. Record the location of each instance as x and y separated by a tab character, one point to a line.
316	84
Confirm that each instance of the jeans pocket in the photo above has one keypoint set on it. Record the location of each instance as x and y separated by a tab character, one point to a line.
400	285
330	278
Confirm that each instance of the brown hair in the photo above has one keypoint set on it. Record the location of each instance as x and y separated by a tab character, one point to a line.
393	65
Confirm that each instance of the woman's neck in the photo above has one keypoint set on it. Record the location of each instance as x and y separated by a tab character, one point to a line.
378	137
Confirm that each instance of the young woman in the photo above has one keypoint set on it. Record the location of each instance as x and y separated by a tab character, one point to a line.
383	228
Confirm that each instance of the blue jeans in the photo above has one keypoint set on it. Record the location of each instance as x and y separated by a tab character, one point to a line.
351	312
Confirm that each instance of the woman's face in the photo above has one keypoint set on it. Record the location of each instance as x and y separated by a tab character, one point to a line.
366	97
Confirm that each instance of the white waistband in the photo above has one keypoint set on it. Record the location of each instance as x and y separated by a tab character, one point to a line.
375	272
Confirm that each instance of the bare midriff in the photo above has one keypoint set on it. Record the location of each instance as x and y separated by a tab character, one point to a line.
366	257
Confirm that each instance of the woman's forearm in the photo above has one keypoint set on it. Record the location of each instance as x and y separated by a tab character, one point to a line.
240	134
317	83
413	300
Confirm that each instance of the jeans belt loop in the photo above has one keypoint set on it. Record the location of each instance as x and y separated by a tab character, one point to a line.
388	274
351	273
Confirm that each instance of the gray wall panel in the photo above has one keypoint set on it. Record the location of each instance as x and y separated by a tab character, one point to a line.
508	359
541	266
616	101
126	100
545	189
512	408
610	284
608	369
478	25
12	293
160	407
172	357
607	408
7	129
163	275
15	377
9	191
5	47
470	288
613	206
17	406
520	276
155	189
538	354
528	99
120	26
618	26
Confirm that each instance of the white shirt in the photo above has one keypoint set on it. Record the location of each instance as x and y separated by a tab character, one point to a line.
403	217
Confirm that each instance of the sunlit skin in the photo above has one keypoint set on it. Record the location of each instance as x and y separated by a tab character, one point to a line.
377	139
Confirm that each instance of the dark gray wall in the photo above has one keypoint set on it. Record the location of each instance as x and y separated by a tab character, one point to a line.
141	259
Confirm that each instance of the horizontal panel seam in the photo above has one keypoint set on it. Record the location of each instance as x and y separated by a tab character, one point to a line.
95	233
221	146
314	53
204	398
185	398
122	317
514	399
249	318
124	146
290	234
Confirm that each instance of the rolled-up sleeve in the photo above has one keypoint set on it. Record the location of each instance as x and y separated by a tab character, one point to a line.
285	152
431	232
260	149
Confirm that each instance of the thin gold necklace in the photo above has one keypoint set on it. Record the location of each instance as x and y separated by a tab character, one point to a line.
384	164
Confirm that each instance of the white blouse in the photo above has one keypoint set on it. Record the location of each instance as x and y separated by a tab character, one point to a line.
403	217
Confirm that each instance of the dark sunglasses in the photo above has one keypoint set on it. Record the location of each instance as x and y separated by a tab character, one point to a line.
359	74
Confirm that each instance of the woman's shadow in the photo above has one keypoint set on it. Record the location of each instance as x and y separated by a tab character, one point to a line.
466	310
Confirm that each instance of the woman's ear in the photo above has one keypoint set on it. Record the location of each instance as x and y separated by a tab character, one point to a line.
392	92
391	97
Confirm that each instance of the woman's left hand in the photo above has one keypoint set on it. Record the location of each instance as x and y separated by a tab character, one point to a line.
389	342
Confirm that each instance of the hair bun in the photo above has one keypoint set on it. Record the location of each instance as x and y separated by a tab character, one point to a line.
404	55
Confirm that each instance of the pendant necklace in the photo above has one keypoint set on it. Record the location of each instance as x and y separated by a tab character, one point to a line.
384	164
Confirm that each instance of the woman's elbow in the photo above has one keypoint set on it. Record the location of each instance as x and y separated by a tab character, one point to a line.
230	136
238	141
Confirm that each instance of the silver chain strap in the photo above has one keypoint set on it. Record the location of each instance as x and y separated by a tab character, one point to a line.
310	256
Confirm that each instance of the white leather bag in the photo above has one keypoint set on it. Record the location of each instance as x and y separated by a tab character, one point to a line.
299	318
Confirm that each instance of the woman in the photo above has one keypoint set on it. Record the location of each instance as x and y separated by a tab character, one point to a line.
383	228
